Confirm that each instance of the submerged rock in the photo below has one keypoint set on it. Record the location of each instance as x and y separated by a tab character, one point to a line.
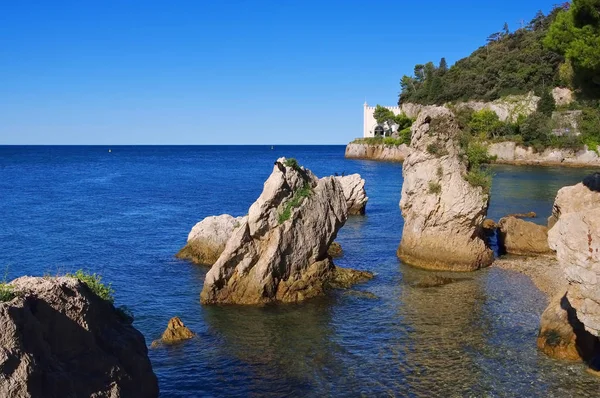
443	213
58	339
206	241
175	332
280	252
521	237
354	192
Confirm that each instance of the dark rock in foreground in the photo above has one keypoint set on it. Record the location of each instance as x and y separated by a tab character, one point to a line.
58	339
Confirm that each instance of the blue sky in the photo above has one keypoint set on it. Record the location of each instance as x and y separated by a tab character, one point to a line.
224	71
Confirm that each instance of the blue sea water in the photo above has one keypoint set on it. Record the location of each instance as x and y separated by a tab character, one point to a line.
125	213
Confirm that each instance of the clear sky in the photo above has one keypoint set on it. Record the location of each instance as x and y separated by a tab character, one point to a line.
224	71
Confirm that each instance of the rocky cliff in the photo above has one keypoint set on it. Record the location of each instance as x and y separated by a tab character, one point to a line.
443	213
58	339
354	191
390	153
280	252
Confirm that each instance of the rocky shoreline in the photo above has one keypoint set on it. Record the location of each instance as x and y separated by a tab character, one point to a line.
506	153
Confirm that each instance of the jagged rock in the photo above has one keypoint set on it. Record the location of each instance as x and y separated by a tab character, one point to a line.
206	241
354	192
442	227
175	332
335	250
521	237
571	199
576	239
562	335
58	339
280	252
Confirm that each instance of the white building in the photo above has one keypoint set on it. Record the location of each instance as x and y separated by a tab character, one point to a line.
369	122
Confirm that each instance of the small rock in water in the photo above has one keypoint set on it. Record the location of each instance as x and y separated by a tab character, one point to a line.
175	332
592	182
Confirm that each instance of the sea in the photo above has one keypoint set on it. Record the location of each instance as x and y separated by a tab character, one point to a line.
124	211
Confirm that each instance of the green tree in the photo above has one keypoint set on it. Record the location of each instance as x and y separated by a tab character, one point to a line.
443	68
575	33
546	104
383	115
484	123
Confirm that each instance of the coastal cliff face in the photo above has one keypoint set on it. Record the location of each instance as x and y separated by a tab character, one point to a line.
507	152
443	213
390	153
280	252
58	339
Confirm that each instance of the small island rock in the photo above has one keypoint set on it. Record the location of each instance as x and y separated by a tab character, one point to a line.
280	252
175	332
443	213
58	339
206	241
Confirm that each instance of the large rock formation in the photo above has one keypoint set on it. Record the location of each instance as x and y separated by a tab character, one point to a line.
443	213
207	239
576	239
575	236
572	199
59	339
280	252
354	191
521	237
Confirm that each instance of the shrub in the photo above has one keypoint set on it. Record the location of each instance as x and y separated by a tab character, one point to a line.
477	154
405	135
440	172
7	292
535	130
484	122
589	126
479	177
435	188
392	141
293	163
437	149
94	283
294	202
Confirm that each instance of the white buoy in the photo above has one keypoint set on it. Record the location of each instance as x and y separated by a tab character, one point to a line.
110	150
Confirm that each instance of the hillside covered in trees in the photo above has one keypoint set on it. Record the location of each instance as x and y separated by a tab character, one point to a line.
558	49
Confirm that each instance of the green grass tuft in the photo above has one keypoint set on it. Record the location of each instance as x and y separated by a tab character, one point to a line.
294	202
293	163
94	282
7	292
435	188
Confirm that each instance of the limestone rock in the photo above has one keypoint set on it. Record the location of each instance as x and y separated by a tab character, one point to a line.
206	241
58	339
280	252
175	332
354	192
390	153
489	224
576	239
521	237
573	199
562	96
442	228
562	335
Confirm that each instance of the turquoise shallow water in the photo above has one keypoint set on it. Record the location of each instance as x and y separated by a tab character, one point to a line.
125	213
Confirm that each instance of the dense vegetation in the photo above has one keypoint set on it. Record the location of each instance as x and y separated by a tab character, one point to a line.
293	203
558	49
386	118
